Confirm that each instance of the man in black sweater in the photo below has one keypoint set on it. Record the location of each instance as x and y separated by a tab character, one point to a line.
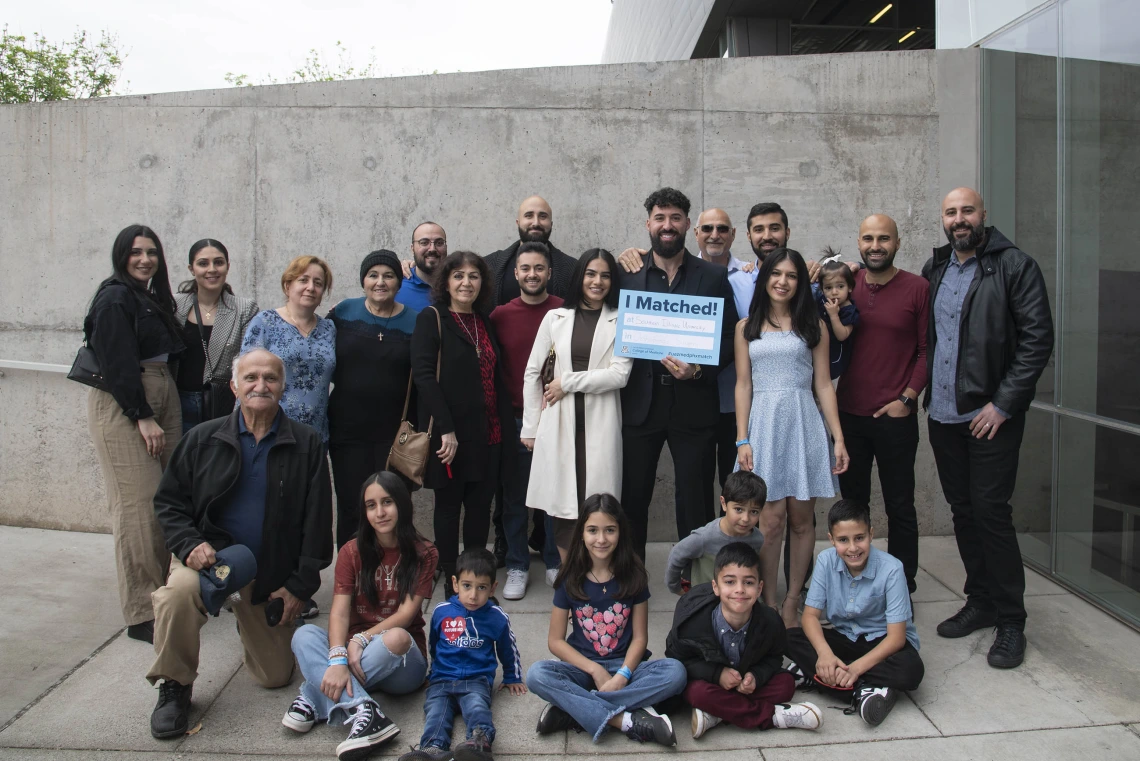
535	222
732	646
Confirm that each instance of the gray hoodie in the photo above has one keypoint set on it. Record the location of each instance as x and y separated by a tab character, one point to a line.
700	548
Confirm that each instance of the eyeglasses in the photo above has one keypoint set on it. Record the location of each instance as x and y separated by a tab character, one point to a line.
722	229
425	242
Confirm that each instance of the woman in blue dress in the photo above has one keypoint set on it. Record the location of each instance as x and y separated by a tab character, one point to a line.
781	357
306	344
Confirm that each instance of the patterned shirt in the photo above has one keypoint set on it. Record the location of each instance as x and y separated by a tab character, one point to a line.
731	640
309	364
473	326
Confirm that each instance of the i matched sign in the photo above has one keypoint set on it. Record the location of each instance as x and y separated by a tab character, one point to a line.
656	325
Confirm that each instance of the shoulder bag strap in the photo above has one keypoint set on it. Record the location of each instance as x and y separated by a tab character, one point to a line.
202	337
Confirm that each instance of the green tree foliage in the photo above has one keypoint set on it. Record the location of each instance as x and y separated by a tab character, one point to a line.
316	69
41	70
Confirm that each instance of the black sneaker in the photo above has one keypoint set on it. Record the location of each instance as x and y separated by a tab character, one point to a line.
650	726
171	715
478	748
873	703
301	716
1008	649
370	727
969	619
143	632
430	753
554	719
500	551
310	610
802	680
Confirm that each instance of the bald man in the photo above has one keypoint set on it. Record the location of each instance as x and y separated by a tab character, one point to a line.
228	481
990	336
535	221
878	392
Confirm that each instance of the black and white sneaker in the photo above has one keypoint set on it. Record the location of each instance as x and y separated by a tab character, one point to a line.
802	680
554	719
370	727
478	748
873	703
301	716
649	726
430	753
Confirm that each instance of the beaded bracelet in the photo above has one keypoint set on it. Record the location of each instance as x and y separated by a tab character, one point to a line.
341	661
624	671
335	651
362	638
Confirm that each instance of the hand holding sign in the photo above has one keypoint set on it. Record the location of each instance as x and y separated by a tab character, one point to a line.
681	330
679	369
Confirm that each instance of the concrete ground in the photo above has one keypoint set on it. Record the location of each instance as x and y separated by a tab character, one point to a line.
73	685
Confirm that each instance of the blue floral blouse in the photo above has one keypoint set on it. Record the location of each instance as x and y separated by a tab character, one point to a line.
309	364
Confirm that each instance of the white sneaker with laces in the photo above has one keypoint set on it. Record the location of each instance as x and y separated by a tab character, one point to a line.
551	575
515	588
797	716
703	721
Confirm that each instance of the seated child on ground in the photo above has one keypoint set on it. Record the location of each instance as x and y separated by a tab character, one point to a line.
603	677
732	645
833	298
742	499
872	651
466	632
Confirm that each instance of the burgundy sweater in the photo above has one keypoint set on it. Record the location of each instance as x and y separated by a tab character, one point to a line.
517	325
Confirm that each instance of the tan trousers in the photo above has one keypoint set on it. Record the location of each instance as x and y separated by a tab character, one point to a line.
179	616
131	477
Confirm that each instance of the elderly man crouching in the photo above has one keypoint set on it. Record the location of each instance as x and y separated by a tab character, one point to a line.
250	479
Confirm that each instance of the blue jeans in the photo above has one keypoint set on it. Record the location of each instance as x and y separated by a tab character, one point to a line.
393	674
472	697
550	554
514	506
573	690
192	404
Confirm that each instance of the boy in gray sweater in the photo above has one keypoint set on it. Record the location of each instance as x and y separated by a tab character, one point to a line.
742	498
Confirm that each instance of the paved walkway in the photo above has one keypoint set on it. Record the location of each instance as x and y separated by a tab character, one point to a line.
73	685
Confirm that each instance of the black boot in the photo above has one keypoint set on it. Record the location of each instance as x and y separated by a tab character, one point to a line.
171	715
143	632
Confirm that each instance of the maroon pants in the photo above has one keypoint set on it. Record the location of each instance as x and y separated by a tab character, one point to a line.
747	711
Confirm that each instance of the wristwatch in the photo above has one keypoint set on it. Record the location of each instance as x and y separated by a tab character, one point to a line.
907	401
696	372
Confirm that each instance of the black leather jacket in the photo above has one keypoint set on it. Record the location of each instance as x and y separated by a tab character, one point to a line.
1006	327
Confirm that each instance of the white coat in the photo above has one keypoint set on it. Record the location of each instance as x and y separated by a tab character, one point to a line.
553	480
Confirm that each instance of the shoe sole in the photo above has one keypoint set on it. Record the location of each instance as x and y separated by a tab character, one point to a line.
170	733
668	723
875	711
700	728
542	716
999	663
362	747
297	726
818	717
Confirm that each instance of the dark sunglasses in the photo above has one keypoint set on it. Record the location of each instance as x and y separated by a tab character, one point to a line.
722	229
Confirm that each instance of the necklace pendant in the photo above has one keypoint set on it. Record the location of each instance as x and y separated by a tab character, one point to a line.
379	336
604	591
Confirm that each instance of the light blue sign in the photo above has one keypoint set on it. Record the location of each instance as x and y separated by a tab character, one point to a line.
656	325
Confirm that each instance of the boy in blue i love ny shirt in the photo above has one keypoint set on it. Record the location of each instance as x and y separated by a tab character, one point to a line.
872	651
466	633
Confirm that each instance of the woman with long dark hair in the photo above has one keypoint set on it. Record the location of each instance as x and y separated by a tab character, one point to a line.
469	405
137	421
781	357
375	639
581	335
213	321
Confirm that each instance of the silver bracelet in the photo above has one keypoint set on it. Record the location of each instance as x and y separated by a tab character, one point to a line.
362	638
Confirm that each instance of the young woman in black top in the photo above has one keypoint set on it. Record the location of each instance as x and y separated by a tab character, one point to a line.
136	423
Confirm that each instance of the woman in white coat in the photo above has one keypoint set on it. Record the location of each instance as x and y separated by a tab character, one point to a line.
573	423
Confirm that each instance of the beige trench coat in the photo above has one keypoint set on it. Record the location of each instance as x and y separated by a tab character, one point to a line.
553	485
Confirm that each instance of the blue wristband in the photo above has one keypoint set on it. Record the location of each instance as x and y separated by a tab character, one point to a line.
342	661
741	443
624	671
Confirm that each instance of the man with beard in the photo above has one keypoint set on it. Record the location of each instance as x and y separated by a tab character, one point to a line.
429	247
517	324
672	400
878	393
990	336
535	221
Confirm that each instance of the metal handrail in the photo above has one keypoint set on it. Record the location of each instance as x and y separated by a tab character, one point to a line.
42	367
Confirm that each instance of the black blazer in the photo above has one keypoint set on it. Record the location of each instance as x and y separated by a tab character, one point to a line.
455	403
698	402
561	269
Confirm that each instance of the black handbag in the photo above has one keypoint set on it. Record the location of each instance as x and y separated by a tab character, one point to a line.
85	368
217	397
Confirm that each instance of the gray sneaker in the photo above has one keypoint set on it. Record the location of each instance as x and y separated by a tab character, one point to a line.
515	588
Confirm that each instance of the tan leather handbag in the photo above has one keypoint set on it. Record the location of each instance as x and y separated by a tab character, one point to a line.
411	448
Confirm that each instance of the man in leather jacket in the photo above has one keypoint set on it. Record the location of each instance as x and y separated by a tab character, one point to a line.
989	338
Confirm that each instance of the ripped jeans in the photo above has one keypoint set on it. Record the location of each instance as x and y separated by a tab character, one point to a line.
383	671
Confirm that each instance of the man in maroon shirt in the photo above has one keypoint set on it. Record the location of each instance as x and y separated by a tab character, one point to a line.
878	392
516	323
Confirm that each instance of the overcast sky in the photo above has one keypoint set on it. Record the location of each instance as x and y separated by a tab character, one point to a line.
191	45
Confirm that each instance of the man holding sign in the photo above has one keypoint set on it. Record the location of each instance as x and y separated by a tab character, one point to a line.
684	303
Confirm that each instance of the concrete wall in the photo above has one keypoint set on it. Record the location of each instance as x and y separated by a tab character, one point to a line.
338	169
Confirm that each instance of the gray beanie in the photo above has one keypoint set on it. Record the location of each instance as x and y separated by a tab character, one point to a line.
383	256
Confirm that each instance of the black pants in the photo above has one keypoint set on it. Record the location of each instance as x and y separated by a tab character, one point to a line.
892	443
978	476
473	499
693	463
352	464
725	447
902	670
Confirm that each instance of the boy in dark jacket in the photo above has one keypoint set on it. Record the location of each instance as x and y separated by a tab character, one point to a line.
732	646
466	633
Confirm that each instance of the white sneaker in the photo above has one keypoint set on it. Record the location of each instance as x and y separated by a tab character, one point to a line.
551	575
797	716
703	721
515	588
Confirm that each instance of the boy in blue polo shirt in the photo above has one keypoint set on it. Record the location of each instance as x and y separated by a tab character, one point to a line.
873	648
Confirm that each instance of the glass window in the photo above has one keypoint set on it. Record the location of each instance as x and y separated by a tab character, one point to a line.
962	23
1033	493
